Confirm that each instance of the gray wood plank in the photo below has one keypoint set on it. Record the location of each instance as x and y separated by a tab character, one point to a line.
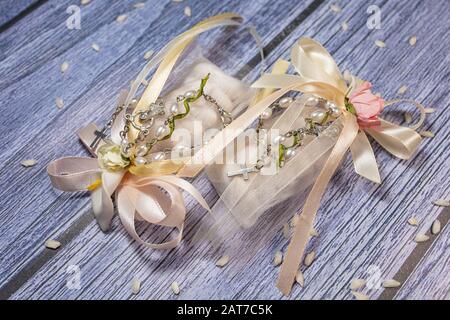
89	88
430	280
359	226
14	10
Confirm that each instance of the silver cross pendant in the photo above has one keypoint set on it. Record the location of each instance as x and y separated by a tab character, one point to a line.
244	171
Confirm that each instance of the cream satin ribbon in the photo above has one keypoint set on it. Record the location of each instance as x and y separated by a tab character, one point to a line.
319	75
149	193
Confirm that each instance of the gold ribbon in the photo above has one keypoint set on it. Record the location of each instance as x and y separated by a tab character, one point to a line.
319	74
150	193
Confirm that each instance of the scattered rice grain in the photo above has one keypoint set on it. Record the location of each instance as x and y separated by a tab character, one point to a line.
222	262
357	284
139	5
96	47
278	258
408	117
135	285
335	8
413	222
360	296
421	238
309	259
59	102
52	244
402	90
436	227
187	11
148	54
121	18
344	26
391	283
380	43
64	66
427	134
412	41
85	2
175	288
300	279
286	231
441	202
28	163
430	110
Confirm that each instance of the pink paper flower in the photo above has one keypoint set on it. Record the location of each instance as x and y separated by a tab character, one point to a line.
367	105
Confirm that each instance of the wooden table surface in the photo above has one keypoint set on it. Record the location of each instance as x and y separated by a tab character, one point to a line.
363	230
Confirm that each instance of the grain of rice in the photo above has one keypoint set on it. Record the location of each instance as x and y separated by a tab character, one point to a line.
313	233
335	8
412	41
430	110
441	202
278	258
96	47
309	259
85	2
286	231
408	117
436	227
28	163
427	134
380	43
52	244
222	262
347	75
121	18
175	288
59	102
421	238
300	279
187	11
148	54
64	66
135	285
294	220
139	5
344	26
391	283
402	90
360	296
413	222
357	284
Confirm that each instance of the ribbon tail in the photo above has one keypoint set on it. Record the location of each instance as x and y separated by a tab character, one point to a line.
400	141
300	237
364	159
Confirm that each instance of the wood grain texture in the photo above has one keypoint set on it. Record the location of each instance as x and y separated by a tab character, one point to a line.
362	226
88	88
431	279
14	10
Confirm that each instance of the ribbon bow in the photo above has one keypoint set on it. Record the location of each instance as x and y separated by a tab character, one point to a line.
151	192
319	75
315	65
154	199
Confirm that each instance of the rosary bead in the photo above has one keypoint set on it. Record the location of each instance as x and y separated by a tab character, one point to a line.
278	139
266	114
174	108
161	131
318	116
140	161
312	101
190	94
335	110
285	102
290	153
142	151
157	156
